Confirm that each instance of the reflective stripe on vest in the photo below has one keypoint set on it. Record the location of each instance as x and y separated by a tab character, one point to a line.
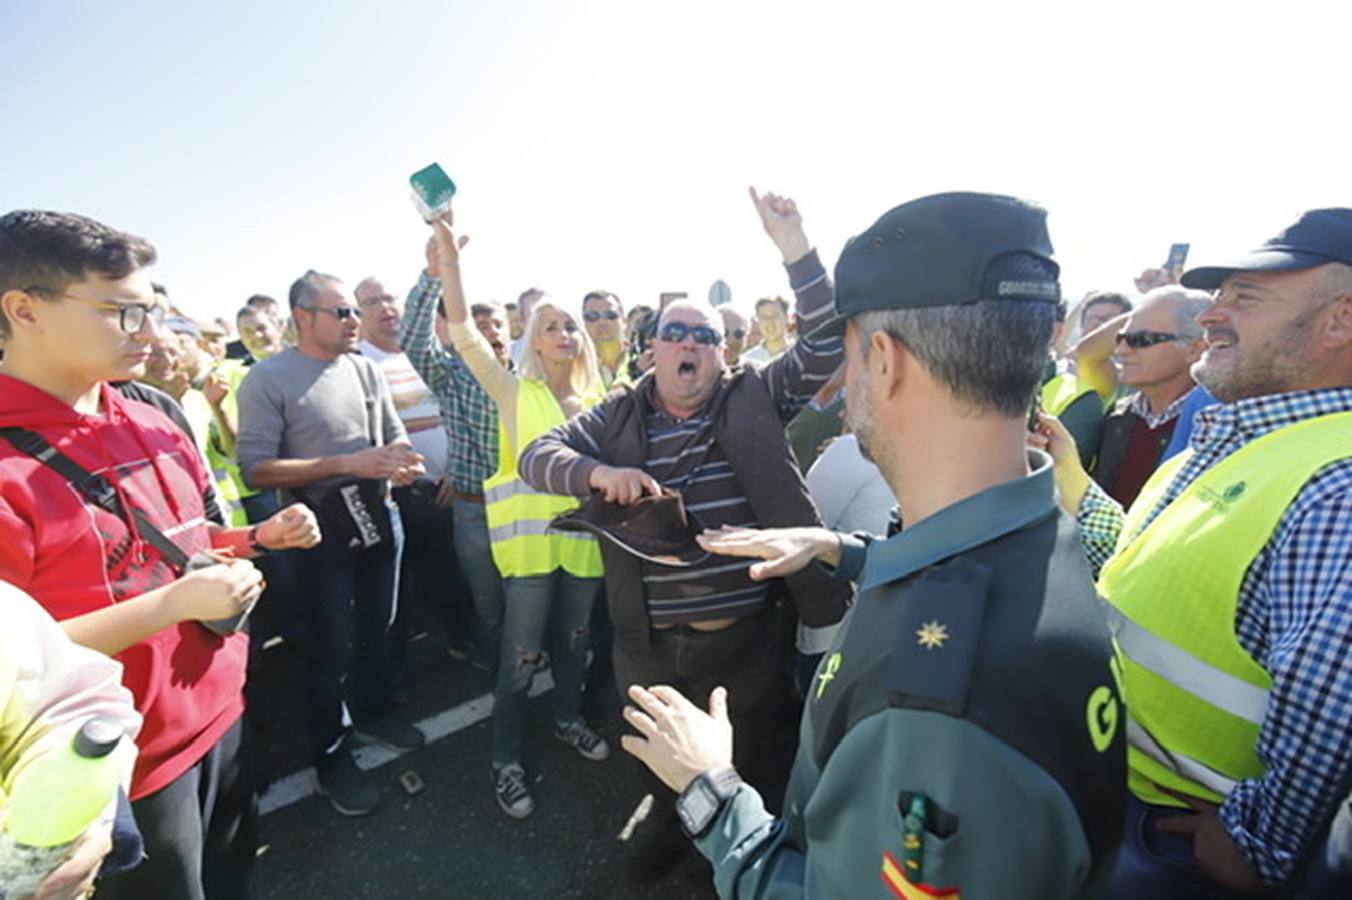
1195	698
518	516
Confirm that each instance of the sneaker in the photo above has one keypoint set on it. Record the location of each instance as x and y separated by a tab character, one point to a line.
393	732
348	788
581	738
509	786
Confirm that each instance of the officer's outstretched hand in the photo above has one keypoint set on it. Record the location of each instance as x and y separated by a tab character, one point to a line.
679	742
786	550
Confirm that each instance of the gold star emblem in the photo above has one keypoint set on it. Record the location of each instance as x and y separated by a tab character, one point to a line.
932	635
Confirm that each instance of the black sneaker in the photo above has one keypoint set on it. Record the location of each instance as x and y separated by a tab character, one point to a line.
391	731
577	735
348	788
509	786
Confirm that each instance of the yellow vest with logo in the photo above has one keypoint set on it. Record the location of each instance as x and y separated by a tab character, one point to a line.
518	515
1196	699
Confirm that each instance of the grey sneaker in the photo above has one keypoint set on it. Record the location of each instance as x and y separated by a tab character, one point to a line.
577	735
350	790
509	786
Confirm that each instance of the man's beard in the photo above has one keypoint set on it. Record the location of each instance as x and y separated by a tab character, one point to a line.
1275	367
859	419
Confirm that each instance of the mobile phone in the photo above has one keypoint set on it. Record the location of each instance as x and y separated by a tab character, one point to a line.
433	191
1178	256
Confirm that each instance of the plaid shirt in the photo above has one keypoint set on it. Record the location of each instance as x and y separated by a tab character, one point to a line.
1294	617
1139	406
469	414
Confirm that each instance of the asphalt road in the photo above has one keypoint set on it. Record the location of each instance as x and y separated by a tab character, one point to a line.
450	839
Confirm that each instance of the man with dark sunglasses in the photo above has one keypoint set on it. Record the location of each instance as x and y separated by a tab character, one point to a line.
603	315
717	436
318	422
1150	350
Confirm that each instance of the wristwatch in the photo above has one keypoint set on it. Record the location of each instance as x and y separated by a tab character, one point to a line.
702	800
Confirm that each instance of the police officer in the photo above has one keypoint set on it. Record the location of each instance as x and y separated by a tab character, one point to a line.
964	733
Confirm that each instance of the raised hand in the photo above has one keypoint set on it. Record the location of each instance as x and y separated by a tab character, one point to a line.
448	246
783	223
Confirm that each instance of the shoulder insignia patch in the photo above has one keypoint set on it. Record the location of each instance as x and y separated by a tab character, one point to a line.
939	626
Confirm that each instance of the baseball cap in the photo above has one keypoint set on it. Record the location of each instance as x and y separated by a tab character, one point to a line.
1319	236
946	250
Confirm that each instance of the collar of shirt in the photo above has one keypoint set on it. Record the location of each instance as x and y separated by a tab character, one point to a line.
1256	416
1139	407
969	523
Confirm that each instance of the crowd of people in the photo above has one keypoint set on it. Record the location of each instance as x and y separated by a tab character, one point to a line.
1018	598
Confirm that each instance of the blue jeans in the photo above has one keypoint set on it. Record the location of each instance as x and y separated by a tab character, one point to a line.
479	571
350	659
1159	865
557	606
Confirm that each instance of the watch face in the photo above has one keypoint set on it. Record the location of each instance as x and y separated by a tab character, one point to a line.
697	808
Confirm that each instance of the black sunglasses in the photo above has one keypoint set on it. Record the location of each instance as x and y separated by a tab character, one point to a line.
737	333
1139	340
592	315
341	313
675	332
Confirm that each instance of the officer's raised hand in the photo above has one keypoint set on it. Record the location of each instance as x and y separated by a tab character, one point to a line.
786	550
679	742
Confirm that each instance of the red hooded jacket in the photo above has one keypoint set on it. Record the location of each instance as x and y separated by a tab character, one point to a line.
75	558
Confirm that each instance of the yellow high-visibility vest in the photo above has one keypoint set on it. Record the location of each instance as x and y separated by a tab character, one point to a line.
1196	699
518	515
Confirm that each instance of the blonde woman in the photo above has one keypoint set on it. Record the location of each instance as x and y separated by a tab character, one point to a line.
551	579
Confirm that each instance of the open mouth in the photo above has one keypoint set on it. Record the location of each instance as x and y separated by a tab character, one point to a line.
1221	341
685	369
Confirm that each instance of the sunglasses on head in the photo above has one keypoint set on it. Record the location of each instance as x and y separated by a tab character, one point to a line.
593	315
675	332
1139	340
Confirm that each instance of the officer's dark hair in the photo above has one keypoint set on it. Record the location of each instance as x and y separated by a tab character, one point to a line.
309	286
45	252
989	353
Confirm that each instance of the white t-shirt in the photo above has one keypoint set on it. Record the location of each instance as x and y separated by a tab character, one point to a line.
416	406
849	491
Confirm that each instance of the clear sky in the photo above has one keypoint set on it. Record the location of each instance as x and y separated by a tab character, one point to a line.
609	144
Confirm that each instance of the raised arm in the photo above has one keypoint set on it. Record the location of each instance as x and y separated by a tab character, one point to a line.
416	333
497	379
1093	356
801	371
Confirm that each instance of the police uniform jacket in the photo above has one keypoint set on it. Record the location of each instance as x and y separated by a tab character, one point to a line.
963	736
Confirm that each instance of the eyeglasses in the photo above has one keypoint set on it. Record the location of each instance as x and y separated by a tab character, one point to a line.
675	332
593	315
131	317
1139	340
341	313
737	333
